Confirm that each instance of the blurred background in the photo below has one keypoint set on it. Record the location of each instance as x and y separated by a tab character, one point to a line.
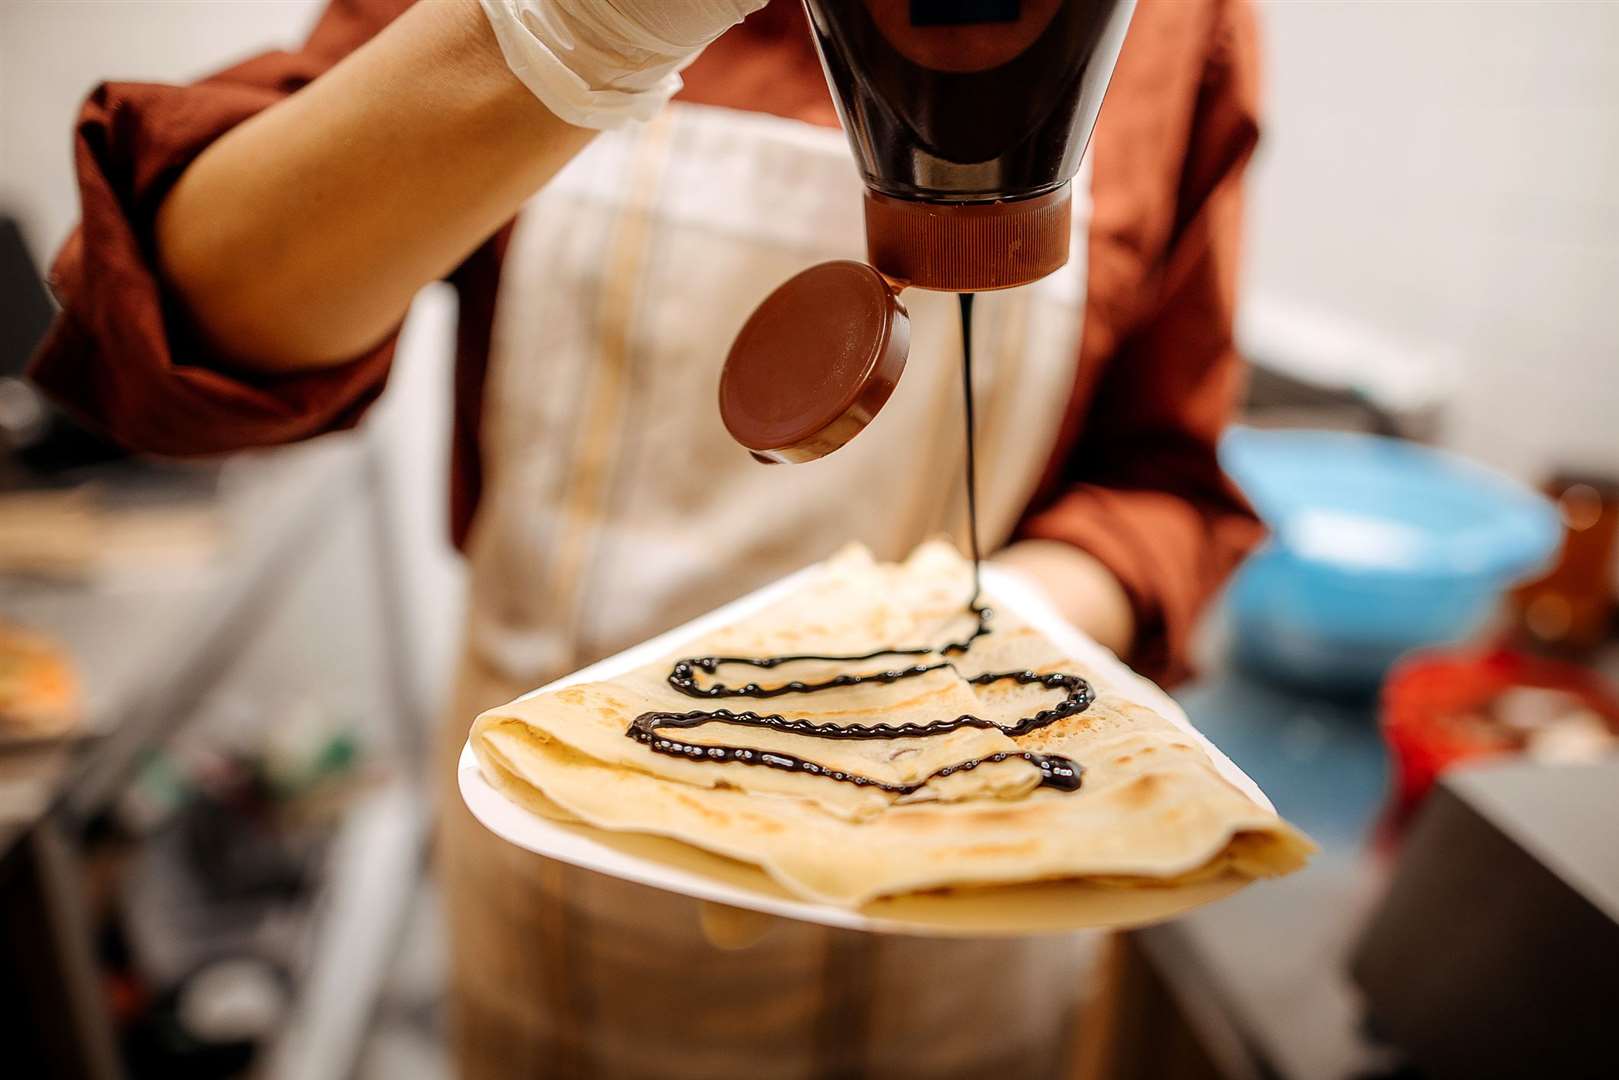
216	870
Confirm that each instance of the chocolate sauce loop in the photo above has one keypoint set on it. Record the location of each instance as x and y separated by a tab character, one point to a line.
650	728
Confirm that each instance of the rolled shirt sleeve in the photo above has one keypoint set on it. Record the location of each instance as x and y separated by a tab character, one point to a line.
120	354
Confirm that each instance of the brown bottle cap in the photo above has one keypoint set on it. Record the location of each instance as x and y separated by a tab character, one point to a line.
814	362
968	247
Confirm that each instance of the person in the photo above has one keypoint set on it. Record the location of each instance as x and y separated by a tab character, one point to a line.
250	243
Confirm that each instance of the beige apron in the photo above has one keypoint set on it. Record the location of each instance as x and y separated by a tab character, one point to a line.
616	506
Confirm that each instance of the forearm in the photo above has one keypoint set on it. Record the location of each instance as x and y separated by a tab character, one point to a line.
299	238
1086	593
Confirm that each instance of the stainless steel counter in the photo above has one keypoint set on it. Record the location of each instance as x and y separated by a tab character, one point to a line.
148	651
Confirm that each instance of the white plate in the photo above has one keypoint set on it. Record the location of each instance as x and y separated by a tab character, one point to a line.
1021	909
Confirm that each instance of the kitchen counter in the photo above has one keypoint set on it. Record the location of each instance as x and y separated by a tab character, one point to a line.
146	647
149	648
1257	985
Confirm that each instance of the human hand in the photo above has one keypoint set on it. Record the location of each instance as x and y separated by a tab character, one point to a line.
1079	586
600	63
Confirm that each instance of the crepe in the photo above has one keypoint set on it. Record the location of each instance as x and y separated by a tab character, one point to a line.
1151	806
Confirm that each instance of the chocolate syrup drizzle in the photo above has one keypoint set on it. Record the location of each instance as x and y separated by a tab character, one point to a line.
1056	771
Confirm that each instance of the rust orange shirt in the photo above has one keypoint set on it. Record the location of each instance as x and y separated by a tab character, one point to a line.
1133	477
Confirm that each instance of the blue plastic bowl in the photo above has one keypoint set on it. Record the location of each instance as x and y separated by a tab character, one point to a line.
1377	546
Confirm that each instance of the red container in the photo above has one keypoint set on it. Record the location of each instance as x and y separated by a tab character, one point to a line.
1436	711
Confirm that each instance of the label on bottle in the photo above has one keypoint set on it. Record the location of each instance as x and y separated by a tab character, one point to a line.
961	36
963	12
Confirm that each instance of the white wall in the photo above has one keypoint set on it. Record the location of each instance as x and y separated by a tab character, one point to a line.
1439	175
52	52
1446	176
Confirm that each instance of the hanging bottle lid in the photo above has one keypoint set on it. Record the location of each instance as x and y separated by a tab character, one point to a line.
814	362
821	354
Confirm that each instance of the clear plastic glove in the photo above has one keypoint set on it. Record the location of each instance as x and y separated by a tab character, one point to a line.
602	63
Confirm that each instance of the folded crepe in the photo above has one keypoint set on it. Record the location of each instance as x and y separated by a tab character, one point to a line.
937	777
